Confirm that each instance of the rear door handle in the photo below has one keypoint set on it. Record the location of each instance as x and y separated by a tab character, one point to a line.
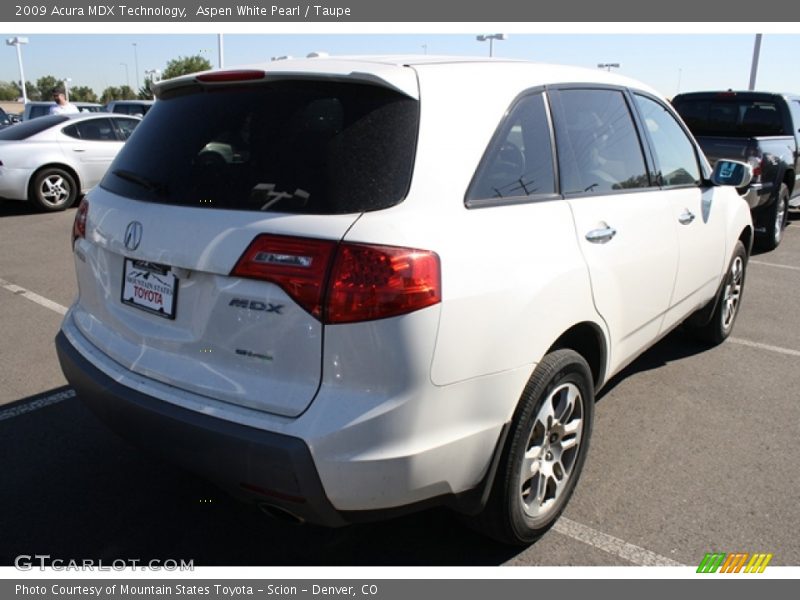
686	217
601	236
79	149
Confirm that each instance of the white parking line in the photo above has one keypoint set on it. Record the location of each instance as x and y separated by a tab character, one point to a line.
760	346
776	265
41	300
16	411
612	545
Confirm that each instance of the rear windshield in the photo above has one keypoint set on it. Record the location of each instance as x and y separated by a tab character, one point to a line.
292	146
26	129
732	117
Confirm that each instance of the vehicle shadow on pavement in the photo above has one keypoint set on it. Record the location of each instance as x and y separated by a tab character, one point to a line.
11	208
73	490
675	346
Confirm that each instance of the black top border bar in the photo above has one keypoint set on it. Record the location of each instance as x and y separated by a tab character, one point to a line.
364	11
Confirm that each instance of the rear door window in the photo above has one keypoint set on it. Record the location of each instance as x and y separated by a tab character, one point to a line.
599	147
519	161
675	152
290	146
93	130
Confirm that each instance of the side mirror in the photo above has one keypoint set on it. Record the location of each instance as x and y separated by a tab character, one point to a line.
732	172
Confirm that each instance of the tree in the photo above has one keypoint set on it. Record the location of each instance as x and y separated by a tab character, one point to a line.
8	91
144	92
126	93
186	65
109	94
82	93
45	86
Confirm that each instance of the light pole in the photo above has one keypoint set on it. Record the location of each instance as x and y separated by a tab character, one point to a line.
754	67
491	37
150	77
425	48
136	64
221	50
18	41
66	81
127	77
608	66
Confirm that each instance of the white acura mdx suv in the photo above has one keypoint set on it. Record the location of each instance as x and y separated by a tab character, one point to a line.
346	288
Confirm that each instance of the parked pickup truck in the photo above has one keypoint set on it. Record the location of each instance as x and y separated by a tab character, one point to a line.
760	128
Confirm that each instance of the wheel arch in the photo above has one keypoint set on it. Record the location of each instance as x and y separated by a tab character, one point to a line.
587	339
57	165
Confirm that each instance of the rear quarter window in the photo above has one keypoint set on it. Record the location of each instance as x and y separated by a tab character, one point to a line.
291	146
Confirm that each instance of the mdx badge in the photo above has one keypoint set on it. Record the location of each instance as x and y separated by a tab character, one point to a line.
256	305
133	235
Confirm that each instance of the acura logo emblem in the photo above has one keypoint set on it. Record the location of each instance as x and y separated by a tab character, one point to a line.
133	235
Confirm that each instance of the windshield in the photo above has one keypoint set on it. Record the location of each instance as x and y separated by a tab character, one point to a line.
291	146
731	117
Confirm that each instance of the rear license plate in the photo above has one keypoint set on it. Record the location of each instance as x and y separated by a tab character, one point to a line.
150	287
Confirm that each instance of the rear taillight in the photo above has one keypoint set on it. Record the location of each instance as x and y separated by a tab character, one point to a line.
755	159
231	76
345	283
79	225
298	265
375	282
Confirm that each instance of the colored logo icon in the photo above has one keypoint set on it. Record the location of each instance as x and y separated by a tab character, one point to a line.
737	562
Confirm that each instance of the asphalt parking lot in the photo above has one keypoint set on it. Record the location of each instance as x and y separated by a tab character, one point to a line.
694	450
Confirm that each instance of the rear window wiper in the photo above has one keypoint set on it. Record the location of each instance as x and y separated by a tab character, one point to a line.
152	186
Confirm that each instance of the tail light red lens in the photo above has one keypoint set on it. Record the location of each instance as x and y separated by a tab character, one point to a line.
345	283
79	225
375	282
298	265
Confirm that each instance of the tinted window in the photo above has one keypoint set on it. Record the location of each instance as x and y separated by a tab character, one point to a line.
125	127
519	161
39	110
97	130
730	116
26	129
795	107
674	151
599	149
291	146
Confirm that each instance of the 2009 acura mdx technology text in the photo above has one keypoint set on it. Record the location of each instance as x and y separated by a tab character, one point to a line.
349	287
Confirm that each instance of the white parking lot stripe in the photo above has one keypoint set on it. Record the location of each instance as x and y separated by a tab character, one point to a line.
16	411
779	349
41	300
612	545
776	265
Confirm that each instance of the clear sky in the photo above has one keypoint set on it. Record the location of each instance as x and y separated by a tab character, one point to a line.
668	62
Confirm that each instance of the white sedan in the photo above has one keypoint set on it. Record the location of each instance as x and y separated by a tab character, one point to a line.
52	160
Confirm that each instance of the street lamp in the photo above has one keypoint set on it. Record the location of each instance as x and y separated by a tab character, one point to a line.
18	41
608	66
491	37
127	76
66	81
151	76
136	64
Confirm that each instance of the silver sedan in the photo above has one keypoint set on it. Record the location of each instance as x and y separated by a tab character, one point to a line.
53	160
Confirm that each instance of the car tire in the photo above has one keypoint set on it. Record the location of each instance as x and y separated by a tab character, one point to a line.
728	301
544	452
53	189
774	219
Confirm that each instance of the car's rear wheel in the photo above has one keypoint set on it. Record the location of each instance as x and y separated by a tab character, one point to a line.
775	220
544	452
53	189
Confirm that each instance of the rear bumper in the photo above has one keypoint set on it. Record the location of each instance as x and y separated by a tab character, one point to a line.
262	466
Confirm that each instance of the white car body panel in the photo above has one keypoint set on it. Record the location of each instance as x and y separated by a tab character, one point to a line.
89	160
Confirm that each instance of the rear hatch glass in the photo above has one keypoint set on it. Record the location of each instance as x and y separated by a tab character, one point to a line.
308	147
731	116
